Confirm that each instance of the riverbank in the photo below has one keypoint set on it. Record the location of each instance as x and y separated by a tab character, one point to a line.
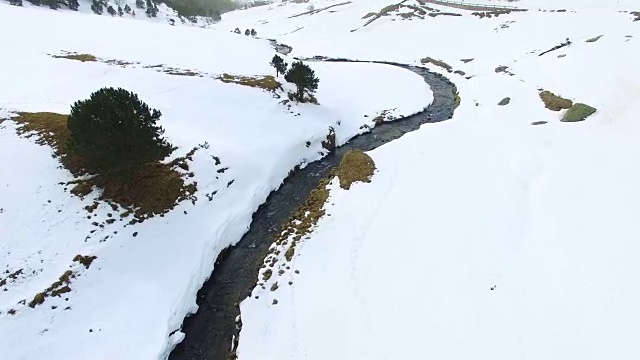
210	332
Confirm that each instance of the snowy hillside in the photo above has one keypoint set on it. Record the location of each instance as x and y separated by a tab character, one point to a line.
82	279
503	233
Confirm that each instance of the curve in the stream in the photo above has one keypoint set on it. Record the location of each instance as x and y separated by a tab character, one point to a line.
212	330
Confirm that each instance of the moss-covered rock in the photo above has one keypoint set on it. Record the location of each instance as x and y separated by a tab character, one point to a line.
578	112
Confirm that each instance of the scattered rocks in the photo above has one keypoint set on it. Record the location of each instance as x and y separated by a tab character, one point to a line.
594	39
504	101
578	112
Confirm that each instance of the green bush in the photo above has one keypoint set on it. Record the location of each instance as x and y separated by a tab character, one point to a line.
115	132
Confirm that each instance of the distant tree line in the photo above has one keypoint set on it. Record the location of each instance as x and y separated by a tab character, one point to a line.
187	8
208	8
53	4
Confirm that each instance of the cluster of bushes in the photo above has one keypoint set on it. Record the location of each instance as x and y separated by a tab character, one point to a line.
150	7
301	75
247	32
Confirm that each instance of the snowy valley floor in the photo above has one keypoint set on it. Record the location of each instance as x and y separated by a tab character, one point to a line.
503	233
133	297
484	237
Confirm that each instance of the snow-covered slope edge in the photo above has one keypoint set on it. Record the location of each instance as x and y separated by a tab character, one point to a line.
145	277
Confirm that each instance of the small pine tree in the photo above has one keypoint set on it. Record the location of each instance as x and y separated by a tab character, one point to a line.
120	12
152	10
96	7
254	32
111	10
278	64
140	4
15	2
73	5
237	31
303	77
247	32
127	9
115	132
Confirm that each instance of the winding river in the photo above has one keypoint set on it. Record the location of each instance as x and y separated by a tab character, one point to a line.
212	330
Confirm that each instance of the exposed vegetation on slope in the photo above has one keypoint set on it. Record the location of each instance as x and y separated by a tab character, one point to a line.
554	102
578	112
436	62
77	57
356	166
266	82
155	188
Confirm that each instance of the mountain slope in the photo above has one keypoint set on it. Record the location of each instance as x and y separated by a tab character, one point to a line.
129	301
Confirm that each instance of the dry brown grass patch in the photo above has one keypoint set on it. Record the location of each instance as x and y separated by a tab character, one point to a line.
355	166
77	57
554	102
59	287
266	82
436	62
155	189
180	72
50	129
85	260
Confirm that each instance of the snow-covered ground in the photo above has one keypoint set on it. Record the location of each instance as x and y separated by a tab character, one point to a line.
145	277
485	236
